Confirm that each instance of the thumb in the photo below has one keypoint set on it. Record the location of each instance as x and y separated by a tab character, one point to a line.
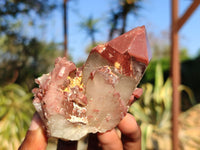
35	137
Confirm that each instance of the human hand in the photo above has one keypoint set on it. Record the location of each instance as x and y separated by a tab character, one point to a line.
36	138
127	136
128	139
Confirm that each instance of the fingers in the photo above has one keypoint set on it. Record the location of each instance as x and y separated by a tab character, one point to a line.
131	136
35	138
131	133
110	140
137	93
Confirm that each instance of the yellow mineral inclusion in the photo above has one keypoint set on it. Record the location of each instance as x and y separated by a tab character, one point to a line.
74	82
117	65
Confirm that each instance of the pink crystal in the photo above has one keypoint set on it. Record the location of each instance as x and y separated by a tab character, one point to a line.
74	102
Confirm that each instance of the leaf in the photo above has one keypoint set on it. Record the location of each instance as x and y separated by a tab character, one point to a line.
148	89
167	94
138	112
158	83
189	93
147	130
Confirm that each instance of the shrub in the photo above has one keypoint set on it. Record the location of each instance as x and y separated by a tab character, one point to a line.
15	114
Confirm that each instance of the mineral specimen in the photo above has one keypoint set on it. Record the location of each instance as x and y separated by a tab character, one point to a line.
74	102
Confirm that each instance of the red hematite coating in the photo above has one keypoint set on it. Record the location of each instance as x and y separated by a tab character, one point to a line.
135	43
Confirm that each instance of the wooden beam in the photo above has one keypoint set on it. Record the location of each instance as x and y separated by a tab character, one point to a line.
175	75
187	14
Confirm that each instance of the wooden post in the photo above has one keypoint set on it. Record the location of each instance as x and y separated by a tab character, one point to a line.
177	23
175	75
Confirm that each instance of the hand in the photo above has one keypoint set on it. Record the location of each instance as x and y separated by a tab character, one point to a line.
130	136
128	139
36	138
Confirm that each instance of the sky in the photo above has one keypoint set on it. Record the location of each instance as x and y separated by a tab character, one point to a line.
155	15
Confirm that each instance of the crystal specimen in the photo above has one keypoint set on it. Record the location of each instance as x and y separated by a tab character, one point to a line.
73	102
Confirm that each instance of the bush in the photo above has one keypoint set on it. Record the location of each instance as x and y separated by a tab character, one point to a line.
153	110
15	115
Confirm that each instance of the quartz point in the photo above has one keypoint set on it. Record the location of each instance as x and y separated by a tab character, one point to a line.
74	102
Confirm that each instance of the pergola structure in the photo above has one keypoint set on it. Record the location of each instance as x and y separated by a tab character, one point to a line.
176	24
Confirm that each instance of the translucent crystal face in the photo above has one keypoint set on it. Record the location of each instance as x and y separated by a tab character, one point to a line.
108	91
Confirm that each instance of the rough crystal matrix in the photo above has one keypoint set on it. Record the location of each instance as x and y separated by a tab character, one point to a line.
73	102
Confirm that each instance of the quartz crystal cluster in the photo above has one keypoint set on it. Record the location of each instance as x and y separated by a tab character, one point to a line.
73	102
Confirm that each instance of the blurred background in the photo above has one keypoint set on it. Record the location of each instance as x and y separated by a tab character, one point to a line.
32	35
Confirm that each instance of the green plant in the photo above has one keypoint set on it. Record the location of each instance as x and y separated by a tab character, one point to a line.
15	114
153	110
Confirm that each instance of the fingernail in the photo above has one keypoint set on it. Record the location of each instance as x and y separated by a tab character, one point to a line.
34	123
